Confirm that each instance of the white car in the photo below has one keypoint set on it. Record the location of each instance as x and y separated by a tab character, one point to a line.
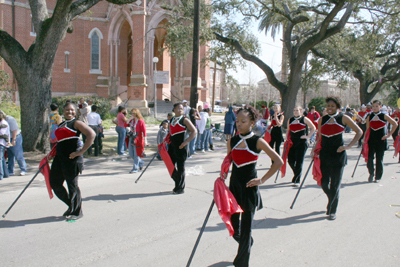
218	109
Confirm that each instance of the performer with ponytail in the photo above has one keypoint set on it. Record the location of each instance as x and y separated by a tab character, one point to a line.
244	183
177	150
276	131
297	134
376	140
332	151
68	161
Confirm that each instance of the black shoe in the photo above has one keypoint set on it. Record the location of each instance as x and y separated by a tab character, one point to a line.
332	217
140	168
178	192
74	217
371	178
67	212
212	147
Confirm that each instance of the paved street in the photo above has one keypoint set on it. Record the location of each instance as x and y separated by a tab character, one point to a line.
143	224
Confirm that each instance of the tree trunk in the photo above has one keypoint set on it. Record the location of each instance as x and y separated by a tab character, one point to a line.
35	111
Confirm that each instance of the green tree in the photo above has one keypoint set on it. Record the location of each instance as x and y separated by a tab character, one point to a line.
319	103
370	52
33	68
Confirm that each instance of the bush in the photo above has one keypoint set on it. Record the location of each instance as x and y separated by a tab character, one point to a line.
103	104
319	103
11	109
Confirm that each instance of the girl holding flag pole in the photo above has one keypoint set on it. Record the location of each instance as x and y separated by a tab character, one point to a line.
68	161
330	153
375	141
297	127
244	183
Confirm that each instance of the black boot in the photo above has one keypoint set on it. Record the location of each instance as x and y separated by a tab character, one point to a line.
212	147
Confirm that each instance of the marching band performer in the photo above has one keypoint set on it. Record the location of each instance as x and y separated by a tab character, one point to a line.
332	151
276	131
361	122
375	141
244	183
297	127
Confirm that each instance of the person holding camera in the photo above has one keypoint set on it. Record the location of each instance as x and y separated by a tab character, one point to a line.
137	139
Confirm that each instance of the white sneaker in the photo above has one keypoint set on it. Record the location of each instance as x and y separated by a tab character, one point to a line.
22	173
202	151
189	157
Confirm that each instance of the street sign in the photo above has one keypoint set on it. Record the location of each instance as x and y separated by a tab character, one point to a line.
162	77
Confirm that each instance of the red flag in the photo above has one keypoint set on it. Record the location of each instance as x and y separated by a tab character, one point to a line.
317	164
288	144
223	197
267	135
139	144
365	148
166	158
46	169
396	146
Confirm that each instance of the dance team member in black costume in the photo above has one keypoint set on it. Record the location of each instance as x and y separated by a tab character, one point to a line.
298	135
377	141
276	131
177	150
333	151
68	161
244	183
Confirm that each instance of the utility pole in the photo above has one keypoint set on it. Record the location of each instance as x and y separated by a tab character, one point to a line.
214	78
194	95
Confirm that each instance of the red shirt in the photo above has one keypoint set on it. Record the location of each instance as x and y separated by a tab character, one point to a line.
314	117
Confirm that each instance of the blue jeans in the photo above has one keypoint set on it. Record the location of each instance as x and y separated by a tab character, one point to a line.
200	141
121	139
16	152
312	139
192	145
2	149
207	136
137	161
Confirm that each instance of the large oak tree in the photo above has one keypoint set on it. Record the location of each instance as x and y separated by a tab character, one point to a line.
33	68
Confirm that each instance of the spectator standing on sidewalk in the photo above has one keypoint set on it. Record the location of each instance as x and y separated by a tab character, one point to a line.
120	129
208	143
94	121
201	126
15	151
5	132
194	116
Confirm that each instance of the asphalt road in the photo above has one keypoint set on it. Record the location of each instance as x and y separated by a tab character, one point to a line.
143	224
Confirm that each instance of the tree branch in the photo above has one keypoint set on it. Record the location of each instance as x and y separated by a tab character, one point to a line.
12	52
252	58
81	6
39	13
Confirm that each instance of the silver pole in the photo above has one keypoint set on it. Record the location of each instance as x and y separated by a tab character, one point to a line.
155	91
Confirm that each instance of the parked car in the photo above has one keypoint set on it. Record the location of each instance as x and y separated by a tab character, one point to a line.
218	109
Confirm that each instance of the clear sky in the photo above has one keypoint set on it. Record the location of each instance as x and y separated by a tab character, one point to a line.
271	54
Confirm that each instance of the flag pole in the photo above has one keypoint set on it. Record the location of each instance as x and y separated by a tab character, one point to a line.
26	187
200	234
147	166
301	185
355	167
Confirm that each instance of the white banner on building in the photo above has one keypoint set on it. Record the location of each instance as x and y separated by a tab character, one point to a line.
162	77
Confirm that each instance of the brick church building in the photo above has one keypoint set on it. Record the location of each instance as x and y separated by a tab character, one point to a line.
110	54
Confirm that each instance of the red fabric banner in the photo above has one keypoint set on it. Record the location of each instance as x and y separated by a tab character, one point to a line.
365	148
166	158
46	169
317	174
267	135
223	197
396	146
288	144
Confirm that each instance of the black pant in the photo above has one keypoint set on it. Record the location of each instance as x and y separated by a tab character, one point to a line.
363	128
66	170
380	152
243	236
178	157
296	159
331	179
95	142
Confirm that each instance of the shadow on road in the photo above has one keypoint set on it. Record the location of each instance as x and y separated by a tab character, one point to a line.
107	197
221	264
269	223
12	224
